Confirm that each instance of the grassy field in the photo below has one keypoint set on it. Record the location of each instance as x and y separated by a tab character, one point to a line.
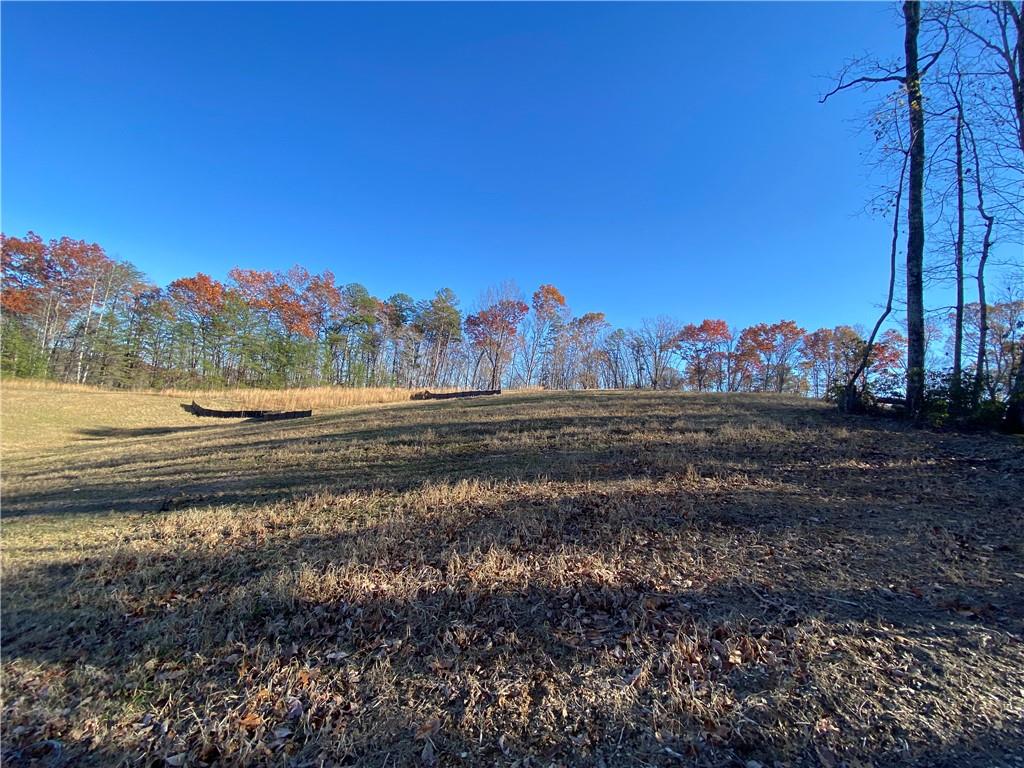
528	580
46	415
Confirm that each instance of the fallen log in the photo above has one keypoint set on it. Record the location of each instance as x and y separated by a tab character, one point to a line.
197	410
428	395
279	415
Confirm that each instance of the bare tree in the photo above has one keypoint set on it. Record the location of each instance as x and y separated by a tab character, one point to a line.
910	79
657	337
851	400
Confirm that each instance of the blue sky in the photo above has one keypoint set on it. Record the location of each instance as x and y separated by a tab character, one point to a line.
647	159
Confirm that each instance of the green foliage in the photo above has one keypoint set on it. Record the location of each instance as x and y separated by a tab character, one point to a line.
19	355
947	404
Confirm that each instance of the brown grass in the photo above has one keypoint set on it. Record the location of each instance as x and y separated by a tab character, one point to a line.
73	409
571	579
317	398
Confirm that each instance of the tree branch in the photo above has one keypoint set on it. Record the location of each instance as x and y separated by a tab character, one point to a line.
861	81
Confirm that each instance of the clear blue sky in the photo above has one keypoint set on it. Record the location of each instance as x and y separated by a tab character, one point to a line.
647	159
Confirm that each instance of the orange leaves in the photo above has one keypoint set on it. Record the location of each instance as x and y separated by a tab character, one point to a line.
58	273
832	356
321	299
766	351
705	349
251	721
17	301
428	729
591	320
709	333
296	302
889	352
547	300
23	263
775	339
492	330
254	286
200	296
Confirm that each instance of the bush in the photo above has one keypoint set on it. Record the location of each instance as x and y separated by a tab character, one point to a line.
945	404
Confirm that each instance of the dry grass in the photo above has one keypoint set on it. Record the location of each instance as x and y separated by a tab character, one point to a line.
72	410
317	398
46	417
304	397
544	579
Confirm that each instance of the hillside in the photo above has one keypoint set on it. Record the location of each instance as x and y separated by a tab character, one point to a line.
612	578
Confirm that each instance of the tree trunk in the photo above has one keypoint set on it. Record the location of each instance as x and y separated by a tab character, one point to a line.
85	332
1015	403
958	330
986	246
476	367
852	400
915	216
1014	421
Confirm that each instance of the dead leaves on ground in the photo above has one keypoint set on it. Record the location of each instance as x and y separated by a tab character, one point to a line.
769	590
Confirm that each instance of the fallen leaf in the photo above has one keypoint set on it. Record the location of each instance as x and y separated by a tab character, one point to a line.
429	728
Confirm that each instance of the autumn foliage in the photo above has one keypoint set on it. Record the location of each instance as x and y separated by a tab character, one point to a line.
72	313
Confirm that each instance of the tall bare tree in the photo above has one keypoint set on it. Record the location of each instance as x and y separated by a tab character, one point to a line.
913	71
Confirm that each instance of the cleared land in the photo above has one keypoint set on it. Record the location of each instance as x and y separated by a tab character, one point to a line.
536	579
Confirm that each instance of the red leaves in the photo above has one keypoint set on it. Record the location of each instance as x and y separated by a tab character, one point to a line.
298	303
833	355
254	286
889	352
491	330
767	352
704	348
59	273
710	333
200	297
493	326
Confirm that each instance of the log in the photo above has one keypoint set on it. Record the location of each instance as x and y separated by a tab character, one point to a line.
280	415
197	410
428	395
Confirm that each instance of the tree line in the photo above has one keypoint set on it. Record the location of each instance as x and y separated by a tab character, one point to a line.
72	313
948	129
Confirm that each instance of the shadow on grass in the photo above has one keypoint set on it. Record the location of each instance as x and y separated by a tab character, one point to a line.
750	536
718	665
589	436
115	433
